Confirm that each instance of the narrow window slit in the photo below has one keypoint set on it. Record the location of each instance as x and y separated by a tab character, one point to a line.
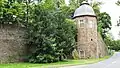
91	39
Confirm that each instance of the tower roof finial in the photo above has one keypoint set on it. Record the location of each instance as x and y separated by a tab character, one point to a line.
84	10
85	2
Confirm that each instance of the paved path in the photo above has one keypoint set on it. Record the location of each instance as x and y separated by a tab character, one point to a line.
113	62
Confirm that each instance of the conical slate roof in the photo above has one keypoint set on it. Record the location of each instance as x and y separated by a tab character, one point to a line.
84	10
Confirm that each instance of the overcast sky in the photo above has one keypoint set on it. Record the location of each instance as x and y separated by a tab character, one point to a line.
113	10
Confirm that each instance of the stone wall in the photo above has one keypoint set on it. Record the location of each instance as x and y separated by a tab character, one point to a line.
103	50
87	36
12	47
89	42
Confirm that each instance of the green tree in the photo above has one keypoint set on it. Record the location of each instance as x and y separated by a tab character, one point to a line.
96	7
104	23
113	44
51	34
75	3
118	2
11	12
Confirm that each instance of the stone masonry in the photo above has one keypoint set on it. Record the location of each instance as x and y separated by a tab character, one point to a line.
87	37
12	46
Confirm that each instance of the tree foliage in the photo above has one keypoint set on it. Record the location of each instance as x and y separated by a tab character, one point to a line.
49	28
96	7
75	3
52	35
118	2
104	23
11	12
112	44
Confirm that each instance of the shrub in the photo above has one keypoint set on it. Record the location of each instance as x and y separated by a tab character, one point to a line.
52	35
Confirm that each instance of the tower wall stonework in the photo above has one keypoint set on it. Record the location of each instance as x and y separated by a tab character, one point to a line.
87	37
103	50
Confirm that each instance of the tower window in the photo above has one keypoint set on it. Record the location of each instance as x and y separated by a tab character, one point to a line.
91	24
91	39
81	21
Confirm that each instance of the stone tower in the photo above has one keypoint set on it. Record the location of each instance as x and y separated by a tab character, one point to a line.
86	22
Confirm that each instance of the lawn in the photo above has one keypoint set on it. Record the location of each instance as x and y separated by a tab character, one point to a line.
55	65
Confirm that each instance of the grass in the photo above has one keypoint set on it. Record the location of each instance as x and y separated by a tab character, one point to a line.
51	65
